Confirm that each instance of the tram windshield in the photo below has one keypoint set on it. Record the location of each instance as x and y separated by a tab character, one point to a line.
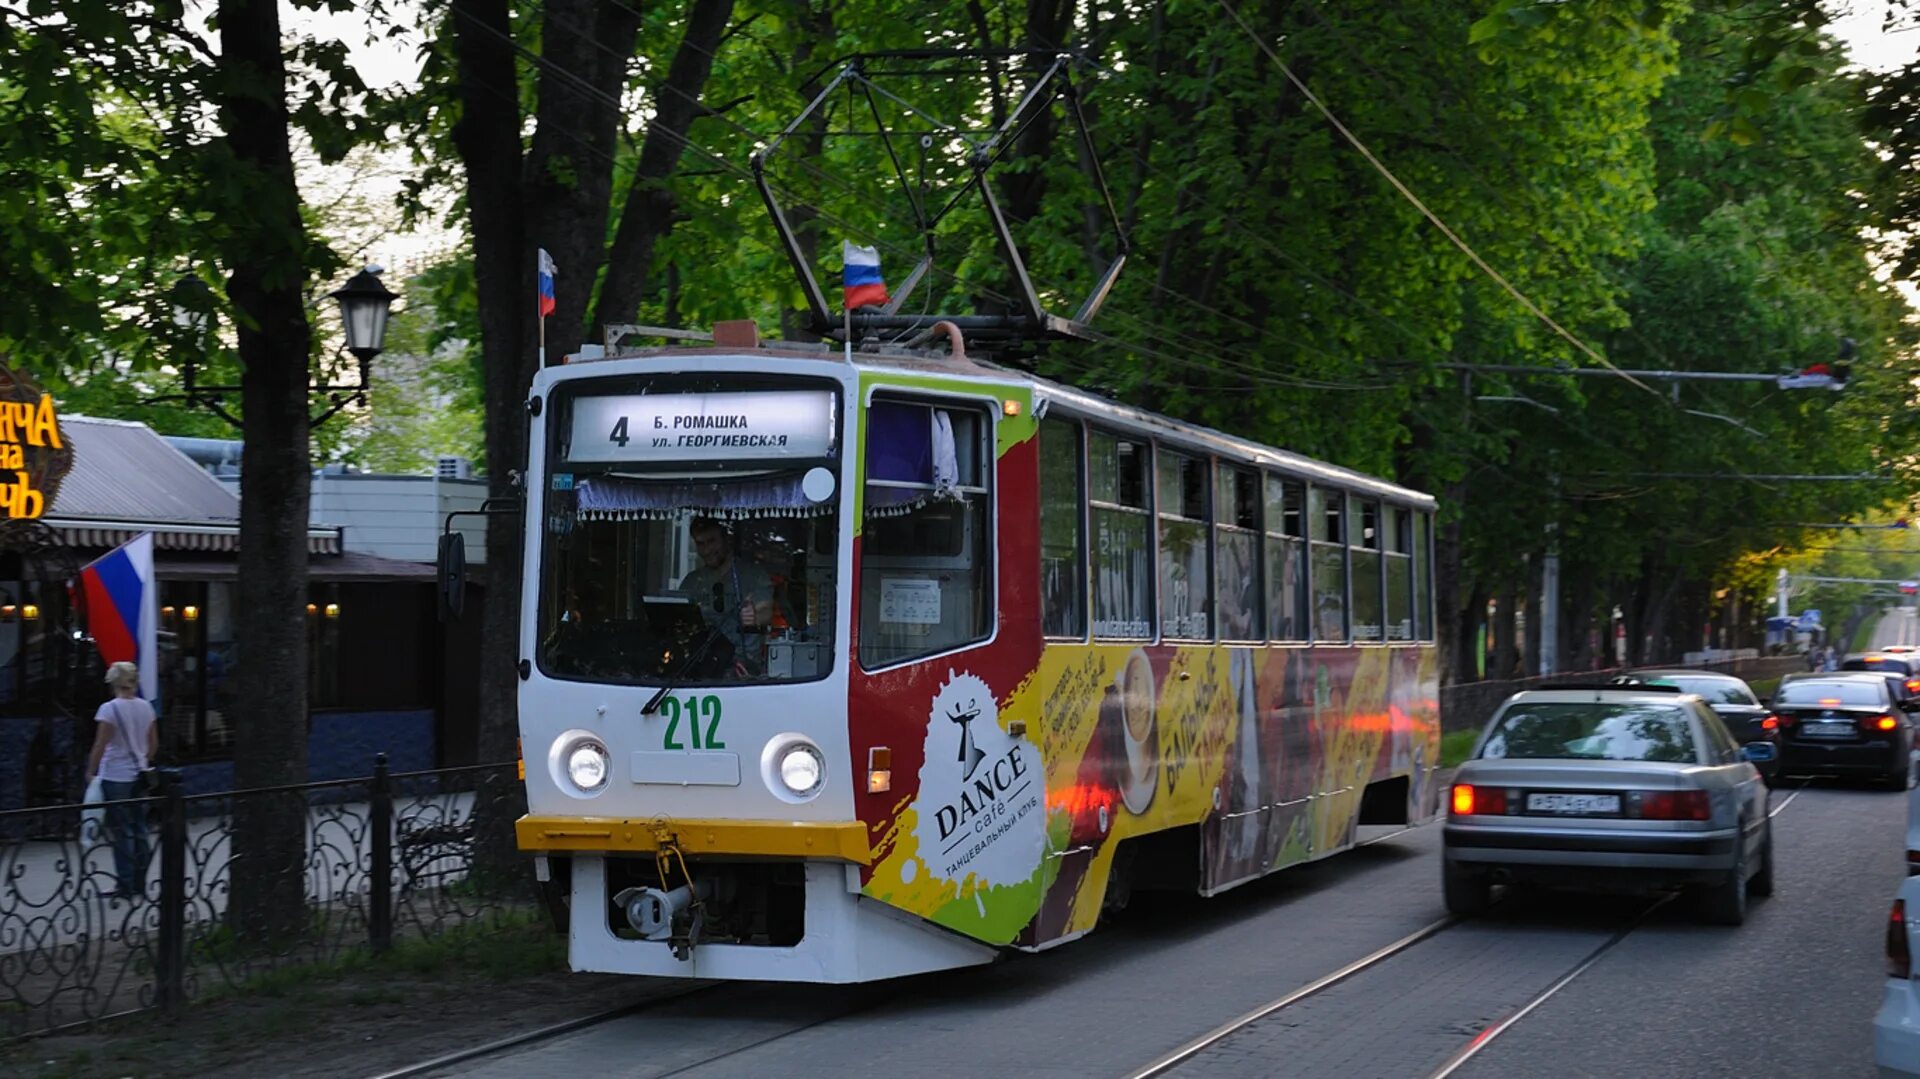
662	564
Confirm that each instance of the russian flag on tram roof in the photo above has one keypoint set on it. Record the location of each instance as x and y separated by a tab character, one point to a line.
861	276
122	602
547	271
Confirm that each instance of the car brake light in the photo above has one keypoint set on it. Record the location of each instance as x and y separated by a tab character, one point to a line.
1771	723
1899	960
1913	685
1829	701
1885	723
1469	800
1669	805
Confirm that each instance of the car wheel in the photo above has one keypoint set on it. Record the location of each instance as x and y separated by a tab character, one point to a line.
1468	892
1762	882
1725	903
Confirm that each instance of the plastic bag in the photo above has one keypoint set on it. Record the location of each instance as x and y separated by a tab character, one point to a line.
93	820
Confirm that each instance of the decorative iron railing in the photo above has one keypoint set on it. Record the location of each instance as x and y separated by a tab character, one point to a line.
224	897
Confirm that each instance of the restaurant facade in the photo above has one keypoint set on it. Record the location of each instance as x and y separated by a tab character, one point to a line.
385	675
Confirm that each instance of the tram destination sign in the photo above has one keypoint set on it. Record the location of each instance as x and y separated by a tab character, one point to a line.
702	426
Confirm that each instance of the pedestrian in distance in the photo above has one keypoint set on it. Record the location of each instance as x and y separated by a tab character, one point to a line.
124	742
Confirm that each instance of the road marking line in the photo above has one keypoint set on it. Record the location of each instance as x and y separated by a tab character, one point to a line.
1171	1060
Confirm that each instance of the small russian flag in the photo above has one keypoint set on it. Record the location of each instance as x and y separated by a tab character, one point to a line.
547	270
122	600
861	276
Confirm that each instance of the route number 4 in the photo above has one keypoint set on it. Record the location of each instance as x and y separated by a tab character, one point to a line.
693	710
619	435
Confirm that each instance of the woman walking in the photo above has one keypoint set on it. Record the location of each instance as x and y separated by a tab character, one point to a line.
125	739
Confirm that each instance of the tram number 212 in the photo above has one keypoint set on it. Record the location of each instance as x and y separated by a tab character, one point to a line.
693	710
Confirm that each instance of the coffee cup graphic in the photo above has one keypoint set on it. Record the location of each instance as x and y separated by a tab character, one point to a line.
1138	706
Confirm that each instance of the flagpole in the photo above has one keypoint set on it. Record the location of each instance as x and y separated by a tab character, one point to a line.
542	316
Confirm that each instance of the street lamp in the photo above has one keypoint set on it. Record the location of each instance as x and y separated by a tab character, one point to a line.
365	305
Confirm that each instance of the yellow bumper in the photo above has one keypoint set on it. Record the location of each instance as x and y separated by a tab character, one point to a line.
844	841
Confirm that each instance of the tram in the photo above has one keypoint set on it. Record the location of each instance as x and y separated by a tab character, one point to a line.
852	666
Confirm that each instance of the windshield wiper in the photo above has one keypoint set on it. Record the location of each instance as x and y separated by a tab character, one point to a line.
680	672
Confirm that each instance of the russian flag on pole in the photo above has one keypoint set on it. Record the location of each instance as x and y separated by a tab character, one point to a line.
122	602
861	276
547	271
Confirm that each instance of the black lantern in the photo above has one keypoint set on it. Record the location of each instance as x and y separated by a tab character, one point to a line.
365	304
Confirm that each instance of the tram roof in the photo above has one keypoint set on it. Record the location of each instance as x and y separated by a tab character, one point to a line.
1080	403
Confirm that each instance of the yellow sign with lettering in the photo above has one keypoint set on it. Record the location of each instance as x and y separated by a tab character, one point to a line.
34	457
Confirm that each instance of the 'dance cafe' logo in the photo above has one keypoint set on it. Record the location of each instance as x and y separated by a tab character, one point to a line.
979	804
33	456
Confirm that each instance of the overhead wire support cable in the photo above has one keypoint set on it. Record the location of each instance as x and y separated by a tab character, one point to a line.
1407	193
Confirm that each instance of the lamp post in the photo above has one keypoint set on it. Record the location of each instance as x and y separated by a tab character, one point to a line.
365	307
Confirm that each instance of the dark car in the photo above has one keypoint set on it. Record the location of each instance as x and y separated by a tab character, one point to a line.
1845	724
1730	698
1904	664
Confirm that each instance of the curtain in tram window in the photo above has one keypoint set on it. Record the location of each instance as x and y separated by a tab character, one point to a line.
909	444
619	499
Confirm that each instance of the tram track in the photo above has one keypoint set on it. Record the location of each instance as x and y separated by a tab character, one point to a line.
451	1063
1185	1053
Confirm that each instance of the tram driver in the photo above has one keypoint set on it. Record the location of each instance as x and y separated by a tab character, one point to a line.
735	595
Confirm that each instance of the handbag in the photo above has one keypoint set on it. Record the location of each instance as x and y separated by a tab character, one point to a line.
93	818
146	781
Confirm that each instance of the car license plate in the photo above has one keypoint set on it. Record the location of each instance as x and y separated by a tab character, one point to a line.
1840	729
1573	805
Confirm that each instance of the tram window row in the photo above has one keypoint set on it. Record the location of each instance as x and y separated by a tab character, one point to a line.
1179	546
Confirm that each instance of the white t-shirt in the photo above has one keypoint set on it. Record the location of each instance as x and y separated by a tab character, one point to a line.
126	755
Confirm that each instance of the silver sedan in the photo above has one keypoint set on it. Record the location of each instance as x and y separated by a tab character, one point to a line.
1613	788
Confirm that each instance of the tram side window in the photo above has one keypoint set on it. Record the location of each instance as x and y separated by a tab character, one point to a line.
1423	576
926	581
1365	566
1327	520
1236	570
1186	587
1399	565
1063	559
1118	493
1286	559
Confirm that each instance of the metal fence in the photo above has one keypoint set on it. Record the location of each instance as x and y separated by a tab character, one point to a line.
1467	706
386	858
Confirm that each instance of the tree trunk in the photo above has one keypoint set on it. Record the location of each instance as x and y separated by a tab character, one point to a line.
649	212
266	255
487	137
1506	649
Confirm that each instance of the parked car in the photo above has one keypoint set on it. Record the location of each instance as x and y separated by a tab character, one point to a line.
1609	787
1896	1029
1845	724
1731	699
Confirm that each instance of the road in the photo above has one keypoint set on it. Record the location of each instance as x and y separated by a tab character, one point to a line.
1791	993
1898	626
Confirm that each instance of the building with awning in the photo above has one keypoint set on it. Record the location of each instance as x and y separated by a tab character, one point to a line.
384	674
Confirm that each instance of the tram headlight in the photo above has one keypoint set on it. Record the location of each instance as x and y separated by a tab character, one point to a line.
801	769
587	766
794	768
579	763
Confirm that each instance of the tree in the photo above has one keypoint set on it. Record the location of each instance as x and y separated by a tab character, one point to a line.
268	258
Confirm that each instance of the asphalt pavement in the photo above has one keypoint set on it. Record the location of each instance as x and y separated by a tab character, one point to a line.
1791	993
1898	626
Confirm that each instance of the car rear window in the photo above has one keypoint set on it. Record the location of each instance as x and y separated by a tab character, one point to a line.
1597	730
1878	664
1849	692
1715	690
